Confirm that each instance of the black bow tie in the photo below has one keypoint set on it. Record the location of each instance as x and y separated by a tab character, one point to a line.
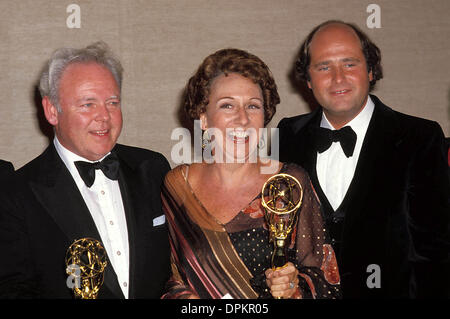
325	137
109	167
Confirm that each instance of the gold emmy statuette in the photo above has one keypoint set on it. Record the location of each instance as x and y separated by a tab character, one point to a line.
86	263
281	198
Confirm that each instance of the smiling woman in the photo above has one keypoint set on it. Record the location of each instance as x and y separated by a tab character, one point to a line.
236	109
220	242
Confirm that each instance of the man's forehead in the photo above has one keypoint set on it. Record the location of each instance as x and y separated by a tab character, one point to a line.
76	68
83	82
335	29
334	35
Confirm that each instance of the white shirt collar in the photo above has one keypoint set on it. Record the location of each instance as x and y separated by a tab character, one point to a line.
69	158
359	124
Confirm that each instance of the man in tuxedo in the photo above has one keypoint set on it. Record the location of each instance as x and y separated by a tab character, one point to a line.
84	185
380	175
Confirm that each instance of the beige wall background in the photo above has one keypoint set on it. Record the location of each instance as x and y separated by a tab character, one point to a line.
162	42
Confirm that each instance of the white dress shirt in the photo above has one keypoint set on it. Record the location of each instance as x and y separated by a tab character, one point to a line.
334	170
104	202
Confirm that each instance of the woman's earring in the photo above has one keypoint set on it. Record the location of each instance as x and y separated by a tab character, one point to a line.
206	139
261	143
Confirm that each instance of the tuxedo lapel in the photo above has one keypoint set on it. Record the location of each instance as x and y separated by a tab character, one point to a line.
307	155
380	142
57	192
302	141
139	182
126	177
137	206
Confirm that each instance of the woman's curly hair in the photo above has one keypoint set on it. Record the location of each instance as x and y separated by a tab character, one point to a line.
226	61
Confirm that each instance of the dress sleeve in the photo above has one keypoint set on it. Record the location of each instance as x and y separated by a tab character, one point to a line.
310	249
176	286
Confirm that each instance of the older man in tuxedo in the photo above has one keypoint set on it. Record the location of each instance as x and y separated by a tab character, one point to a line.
84	185
381	175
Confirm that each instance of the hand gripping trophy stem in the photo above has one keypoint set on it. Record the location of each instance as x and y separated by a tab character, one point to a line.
281	197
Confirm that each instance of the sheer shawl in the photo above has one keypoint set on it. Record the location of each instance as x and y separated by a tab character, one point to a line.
205	262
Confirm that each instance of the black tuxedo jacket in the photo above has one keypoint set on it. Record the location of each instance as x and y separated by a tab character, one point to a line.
395	213
43	213
6	168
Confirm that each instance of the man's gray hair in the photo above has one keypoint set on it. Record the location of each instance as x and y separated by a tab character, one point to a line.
97	52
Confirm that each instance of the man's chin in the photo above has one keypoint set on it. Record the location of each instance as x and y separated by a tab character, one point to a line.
99	153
